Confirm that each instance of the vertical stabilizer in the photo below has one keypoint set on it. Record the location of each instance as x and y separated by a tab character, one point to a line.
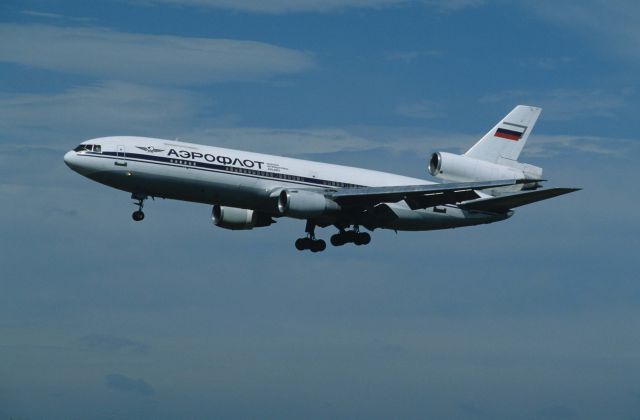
504	142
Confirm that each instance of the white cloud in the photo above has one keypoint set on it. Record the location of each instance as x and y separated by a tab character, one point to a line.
116	108
56	122
91	111
283	141
35	13
297	6
107	54
54	16
553	145
284	6
566	104
319	140
411	56
614	25
453	5
551	63
422	110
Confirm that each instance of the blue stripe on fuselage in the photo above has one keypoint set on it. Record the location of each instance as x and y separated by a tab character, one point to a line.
212	167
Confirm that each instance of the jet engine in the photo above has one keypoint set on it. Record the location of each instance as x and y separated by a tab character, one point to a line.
238	219
461	168
303	204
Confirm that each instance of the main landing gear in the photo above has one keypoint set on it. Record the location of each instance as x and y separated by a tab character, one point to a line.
310	242
138	215
350	236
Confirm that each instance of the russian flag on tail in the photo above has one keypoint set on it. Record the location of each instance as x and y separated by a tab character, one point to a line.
512	132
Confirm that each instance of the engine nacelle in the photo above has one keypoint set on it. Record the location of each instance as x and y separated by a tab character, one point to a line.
238	219
303	204
460	168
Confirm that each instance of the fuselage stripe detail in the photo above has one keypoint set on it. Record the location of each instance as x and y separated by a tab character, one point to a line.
210	167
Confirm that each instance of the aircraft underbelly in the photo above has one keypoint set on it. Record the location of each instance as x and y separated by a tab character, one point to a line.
187	184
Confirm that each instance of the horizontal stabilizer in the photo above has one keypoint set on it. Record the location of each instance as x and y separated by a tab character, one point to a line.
508	202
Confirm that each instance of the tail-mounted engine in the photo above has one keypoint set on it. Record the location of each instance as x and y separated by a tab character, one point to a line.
461	168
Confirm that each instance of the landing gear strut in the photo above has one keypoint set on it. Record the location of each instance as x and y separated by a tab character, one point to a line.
310	242
350	236
138	215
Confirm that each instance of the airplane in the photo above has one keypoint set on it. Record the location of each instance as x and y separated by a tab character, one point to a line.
251	190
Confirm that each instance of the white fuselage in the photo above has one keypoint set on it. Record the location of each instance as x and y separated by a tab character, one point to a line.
233	178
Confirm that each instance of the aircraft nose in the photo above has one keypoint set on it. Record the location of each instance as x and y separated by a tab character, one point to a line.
69	158
73	161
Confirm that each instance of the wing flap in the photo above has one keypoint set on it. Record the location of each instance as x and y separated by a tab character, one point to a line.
440	199
505	203
417	196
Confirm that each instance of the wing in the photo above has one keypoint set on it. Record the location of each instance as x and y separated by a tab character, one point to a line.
507	202
416	196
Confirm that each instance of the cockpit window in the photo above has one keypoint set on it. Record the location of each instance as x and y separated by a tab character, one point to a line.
88	148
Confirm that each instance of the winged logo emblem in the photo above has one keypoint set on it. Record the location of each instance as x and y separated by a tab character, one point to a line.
150	149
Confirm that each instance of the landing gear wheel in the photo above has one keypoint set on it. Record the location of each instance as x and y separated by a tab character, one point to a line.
318	246
310	242
314	245
137	215
350	236
337	239
362	238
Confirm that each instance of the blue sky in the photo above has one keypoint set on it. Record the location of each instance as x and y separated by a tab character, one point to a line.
532	318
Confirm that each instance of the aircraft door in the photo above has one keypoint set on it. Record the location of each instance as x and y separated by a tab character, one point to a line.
121	156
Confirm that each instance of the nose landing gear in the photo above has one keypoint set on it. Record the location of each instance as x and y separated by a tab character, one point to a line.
138	215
